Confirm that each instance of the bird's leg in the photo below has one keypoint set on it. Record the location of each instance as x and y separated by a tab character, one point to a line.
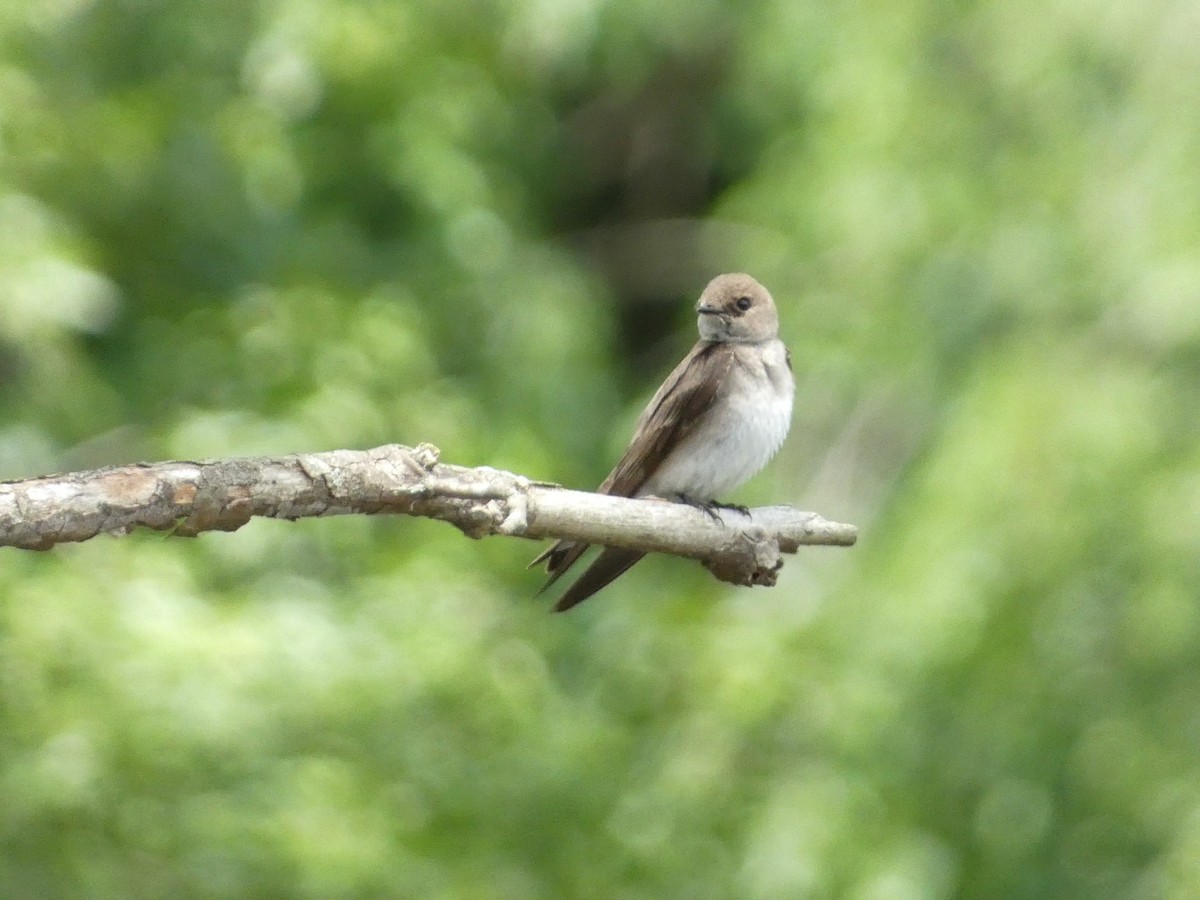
713	507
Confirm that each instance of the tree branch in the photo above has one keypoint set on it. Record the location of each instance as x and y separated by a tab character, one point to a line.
187	498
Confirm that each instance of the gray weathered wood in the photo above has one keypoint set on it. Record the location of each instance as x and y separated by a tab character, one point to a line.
187	498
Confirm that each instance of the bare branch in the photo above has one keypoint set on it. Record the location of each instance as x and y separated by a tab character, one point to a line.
187	498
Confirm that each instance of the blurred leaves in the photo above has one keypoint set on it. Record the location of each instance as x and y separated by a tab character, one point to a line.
238	228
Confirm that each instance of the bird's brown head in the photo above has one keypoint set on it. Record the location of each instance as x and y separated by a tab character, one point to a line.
736	308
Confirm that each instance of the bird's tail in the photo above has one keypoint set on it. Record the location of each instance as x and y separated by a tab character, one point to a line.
558	557
611	563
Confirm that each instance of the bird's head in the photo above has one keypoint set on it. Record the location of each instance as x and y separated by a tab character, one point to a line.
736	308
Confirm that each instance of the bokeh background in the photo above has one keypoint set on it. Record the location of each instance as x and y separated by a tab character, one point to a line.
232	227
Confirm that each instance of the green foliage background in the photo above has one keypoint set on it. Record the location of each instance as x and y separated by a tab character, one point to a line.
249	227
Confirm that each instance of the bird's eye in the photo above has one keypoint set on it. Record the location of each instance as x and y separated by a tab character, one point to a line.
743	303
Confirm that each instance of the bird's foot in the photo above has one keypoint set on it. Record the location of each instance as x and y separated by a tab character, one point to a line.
713	507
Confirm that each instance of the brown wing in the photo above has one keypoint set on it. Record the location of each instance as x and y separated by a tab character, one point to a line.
672	413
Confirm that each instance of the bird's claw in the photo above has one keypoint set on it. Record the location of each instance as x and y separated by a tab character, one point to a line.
713	507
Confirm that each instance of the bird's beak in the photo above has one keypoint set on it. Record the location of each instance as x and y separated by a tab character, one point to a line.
707	310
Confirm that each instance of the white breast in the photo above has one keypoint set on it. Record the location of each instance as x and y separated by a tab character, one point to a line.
739	435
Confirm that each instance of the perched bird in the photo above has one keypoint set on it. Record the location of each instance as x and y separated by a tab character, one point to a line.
714	423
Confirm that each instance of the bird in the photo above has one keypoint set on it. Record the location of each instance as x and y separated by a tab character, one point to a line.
718	418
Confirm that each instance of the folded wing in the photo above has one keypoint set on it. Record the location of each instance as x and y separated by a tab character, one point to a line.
682	401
